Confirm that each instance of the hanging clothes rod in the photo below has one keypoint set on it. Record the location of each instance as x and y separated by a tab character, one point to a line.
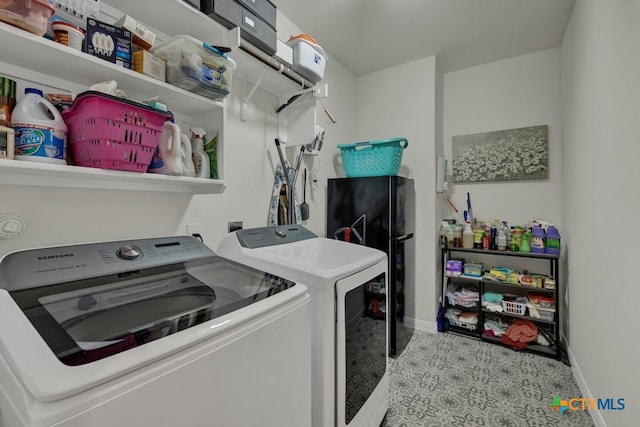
275	64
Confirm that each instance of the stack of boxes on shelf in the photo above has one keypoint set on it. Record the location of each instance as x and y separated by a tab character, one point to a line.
256	19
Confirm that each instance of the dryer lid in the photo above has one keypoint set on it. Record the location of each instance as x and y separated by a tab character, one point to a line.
314	261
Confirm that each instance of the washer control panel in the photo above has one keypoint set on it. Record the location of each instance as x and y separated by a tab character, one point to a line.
252	238
47	266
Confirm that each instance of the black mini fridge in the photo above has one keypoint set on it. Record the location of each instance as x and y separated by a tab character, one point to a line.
379	212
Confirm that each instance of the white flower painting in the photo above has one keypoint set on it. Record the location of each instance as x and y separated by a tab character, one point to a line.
505	155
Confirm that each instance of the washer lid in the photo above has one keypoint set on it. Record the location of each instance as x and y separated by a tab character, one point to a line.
317	262
67	337
88	320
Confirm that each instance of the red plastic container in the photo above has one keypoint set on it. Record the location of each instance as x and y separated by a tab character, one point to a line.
107	132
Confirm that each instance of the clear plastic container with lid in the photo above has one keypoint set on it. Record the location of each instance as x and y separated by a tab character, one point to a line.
196	66
30	15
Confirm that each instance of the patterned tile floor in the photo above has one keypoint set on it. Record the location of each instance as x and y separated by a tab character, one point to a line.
449	380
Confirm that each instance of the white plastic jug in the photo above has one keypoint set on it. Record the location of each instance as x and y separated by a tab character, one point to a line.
187	161
167	159
40	131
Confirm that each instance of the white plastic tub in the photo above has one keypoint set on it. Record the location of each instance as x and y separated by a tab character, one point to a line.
309	59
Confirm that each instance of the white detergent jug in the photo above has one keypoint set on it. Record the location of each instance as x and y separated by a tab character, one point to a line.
40	131
167	159
188	169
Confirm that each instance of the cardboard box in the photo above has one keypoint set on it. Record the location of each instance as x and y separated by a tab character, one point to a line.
108	42
473	269
76	12
454	267
146	63
141	35
284	53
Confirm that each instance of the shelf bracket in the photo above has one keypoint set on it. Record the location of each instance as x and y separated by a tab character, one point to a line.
245	101
316	91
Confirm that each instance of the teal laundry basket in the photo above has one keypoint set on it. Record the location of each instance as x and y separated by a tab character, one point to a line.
373	158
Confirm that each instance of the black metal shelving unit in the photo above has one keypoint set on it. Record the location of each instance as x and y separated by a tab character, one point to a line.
551	326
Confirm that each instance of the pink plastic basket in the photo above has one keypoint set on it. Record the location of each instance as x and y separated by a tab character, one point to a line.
111	133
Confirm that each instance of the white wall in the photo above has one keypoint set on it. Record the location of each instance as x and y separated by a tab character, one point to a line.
400	101
65	216
512	93
601	93
516	92
251	157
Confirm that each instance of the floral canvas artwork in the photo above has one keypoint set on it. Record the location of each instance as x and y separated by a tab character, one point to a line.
505	155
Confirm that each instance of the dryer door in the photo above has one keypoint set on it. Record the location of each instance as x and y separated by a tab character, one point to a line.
362	348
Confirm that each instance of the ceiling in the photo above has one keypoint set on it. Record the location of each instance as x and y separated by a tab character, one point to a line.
371	35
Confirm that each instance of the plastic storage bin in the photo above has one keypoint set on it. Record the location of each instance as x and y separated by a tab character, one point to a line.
373	158
541	313
309	59
30	15
513	307
111	133
196	66
541	300
457	318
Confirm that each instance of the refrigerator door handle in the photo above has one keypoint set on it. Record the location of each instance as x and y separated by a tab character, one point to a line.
403	238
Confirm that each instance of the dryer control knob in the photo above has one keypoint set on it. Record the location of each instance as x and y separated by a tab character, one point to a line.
281	232
129	252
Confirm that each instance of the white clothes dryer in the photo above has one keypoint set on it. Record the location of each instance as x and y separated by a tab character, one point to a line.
349	339
153	332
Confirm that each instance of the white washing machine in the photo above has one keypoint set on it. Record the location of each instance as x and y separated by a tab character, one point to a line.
151	332
347	287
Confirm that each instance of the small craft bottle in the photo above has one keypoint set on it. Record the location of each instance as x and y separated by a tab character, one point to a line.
444	228
457	236
493	239
450	236
516	239
478	234
467	236
525	245
502	240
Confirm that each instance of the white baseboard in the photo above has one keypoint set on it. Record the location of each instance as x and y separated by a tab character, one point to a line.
421	325
584	389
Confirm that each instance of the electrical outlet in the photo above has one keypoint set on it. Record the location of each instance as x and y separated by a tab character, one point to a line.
235	225
193	228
